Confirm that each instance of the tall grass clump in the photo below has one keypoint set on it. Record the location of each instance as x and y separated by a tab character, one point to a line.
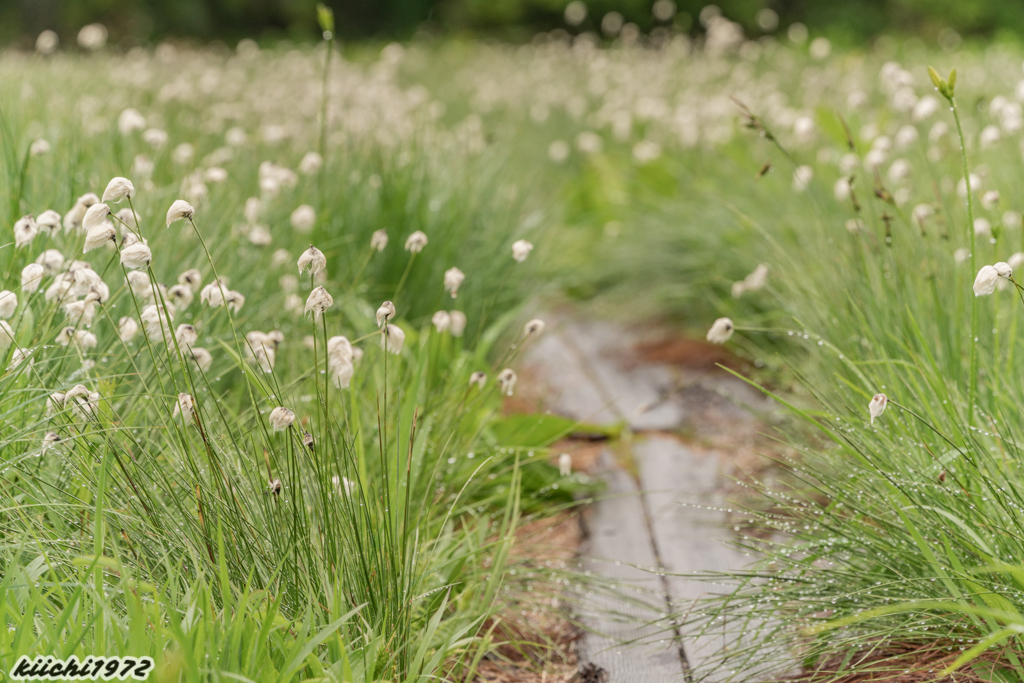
218	446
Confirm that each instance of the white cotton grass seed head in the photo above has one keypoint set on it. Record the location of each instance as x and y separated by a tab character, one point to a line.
179	210
85	339
180	295
521	250
274	486
25	230
137	256
99	235
317	302
191	278
458	321
51	260
312	260
201	357
95	216
31	277
379	240
48	221
65	336
877	406
990	200
127	328
478	378
441	321
6	335
310	163
234	300
507	381
212	295
117	189
385	313
186	334
416	242
281	418
453	278
564	465
8	303
303	218
982	226
533	327
721	331
394	339
985	282
961	255
184	406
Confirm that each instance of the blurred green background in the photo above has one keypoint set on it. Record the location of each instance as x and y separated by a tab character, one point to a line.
133	22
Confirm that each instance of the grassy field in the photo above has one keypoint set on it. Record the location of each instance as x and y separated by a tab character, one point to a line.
165	508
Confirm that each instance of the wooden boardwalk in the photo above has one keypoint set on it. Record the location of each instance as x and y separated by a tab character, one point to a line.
664	513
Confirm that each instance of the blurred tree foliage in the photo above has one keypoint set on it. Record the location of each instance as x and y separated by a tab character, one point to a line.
141	21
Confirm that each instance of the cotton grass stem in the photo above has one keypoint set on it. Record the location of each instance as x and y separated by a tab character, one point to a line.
972	380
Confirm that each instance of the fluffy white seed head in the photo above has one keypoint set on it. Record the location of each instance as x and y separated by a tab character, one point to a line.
394	339
118	189
416	242
130	120
318	302
99	235
184	406
312	260
458	323
478	378
721	331
8	303
1004	270
85	340
385	313
212	296
303	218
179	210
136	256
564	465
521	250
48	221
441	321
507	381
65	336
534	327
201	357
453	278
31	277
95	215
51	260
25	230
180	295
986	280
234	300
281	418
127	328
310	163
877	406
186	334
192	278
379	240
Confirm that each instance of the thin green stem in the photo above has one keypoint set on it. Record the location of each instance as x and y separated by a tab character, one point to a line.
972	380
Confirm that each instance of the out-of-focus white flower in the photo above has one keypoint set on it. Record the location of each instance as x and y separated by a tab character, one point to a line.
1011	220
192	278
74	217
385	313
925	108
841	190
48	221
52	260
922	212
393	339
201	357
215	174
802	177
234	300
47	42
235	136
558	151
303	218
343	484
31	277
127	328
99	235
1004	269
899	171
441	321
990	199
646	151
6	335
453	278
274	486
961	187
312	260
117	189
65	336
253	210
25	230
183	154
875	158
982	226
38	147
458	322
416	242
521	250
989	136
877	406
534	327
8	303
180	209
507	381
310	163
130	120
50	439
136	256
1016	261
961	255
564	465
379	240
281	418
753	282
155	137
985	282
317	302
478	378
905	137
721	331
180	295
184	406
